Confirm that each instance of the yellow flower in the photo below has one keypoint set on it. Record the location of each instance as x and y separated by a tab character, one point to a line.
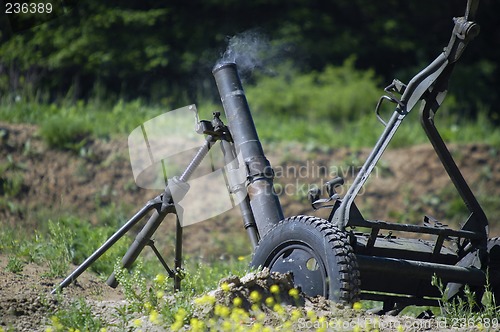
148	306
237	302
56	324
255	308
160	294
400	328
311	315
221	310
275	289
296	314
197	325
205	299
225	287
261	317
357	306
239	315
137	322
154	317
227	326
181	314
255	296
257	327
240	258
294	292
269	301
103	329
176	326
278	309
160	278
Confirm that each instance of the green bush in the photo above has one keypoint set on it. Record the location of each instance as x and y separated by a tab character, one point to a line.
70	133
336	93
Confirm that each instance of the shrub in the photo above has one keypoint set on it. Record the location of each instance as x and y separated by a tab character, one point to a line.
70	133
336	93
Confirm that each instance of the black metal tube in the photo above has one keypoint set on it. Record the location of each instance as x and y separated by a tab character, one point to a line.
178	255
419	269
105	246
263	200
230	160
140	241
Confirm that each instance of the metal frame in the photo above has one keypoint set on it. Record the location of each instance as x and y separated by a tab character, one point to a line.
378	258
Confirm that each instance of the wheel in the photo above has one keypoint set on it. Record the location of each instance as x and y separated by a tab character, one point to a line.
317	254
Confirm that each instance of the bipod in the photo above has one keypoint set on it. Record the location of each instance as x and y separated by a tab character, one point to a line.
162	205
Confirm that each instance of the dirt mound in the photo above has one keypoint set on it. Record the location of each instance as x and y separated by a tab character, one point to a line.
286	307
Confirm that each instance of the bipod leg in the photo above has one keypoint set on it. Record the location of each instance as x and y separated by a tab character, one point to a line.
178	256
140	241
110	242
151	244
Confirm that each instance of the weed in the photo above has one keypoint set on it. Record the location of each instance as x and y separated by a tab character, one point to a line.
467	306
14	265
59	252
71	133
12	185
77	317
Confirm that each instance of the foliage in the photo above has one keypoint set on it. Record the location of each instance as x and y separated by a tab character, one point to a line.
468	307
335	94
66	133
165	50
77	316
69	240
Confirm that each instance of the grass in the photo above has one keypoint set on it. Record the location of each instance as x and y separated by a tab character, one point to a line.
468	309
70	127
333	107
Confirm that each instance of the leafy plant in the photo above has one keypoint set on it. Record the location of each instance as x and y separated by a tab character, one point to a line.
78	316
14	265
70	133
467	306
335	94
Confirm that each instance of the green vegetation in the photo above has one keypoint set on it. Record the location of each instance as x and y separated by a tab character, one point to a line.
69	240
333	108
164	50
464	309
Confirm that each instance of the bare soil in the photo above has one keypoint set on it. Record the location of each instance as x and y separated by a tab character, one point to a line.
408	182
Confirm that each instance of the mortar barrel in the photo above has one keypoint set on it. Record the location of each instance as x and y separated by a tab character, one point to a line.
263	199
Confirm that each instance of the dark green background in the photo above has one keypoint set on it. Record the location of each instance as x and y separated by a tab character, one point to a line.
166	49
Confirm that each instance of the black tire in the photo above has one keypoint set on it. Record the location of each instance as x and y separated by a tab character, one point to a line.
317	254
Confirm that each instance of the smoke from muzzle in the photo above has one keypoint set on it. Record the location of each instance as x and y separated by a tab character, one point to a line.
250	50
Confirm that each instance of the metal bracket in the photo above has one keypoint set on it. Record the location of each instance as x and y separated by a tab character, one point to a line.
315	194
398	87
